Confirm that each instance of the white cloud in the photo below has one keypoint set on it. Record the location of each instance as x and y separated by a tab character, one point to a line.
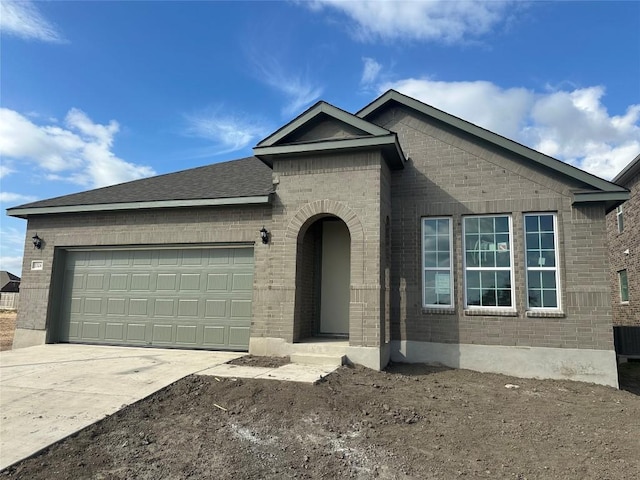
573	126
5	170
79	152
228	133
11	263
370	71
297	87
433	20
12	248
21	18
7	197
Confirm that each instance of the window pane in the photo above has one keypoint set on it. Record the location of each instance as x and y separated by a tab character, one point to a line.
531	223
546	223
546	241
488	279
503	279
444	259
624	286
472	259
549	299
473	279
541	255
534	280
471	225
504	298
548	279
489	298
535	298
502	224
473	296
429	227
486	225
503	259
533	241
429	259
436	245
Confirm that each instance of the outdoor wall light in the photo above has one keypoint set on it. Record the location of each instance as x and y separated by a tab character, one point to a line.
264	235
37	241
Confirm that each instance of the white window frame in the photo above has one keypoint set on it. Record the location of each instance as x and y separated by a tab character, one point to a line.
555	269
448	269
510	269
620	218
626	275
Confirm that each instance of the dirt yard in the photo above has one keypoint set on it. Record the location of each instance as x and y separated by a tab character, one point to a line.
411	422
7	326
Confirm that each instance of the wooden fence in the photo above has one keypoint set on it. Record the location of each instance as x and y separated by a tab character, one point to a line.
9	301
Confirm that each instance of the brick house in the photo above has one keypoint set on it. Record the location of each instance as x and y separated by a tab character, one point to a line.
400	232
623	229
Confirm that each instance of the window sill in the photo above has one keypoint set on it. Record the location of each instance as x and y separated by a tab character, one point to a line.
439	310
543	314
490	313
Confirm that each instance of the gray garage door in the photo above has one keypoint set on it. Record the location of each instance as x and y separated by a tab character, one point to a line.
195	298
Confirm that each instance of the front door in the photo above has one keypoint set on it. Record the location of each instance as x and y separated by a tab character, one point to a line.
335	278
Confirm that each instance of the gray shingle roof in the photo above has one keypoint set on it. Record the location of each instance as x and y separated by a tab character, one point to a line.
246	177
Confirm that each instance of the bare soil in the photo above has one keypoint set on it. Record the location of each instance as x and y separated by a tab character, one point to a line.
7	327
410	422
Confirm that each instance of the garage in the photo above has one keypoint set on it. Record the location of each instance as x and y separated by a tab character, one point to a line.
166	297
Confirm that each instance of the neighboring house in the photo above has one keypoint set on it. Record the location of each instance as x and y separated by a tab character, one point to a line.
9	283
623	228
400	232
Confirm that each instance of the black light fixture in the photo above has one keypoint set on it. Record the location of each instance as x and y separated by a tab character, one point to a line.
264	235
37	241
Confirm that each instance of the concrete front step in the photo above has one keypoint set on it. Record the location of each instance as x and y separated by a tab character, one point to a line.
316	359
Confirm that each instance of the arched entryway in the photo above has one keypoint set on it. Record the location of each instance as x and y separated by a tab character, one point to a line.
323	278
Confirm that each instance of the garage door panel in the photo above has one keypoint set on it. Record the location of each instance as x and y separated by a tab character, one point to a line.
114	332
164	307
91	330
213	336
196	298
138	306
242	282
136	333
95	281
189	281
116	306
92	306
186	334
216	308
238	336
241	309
187	308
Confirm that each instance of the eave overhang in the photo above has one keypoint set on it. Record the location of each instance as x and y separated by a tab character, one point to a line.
611	199
108	207
389	145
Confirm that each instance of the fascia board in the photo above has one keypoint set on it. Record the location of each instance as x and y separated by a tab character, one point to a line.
106	207
327	145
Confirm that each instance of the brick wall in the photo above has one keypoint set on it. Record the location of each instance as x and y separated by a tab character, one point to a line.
629	239
450	174
309	188
134	228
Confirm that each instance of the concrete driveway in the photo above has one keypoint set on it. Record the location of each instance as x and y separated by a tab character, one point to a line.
49	392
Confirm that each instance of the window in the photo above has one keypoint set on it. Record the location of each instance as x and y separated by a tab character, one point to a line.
542	261
436	263
488	262
620	218
624	285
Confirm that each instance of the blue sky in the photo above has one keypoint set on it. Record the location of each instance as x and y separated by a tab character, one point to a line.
96	93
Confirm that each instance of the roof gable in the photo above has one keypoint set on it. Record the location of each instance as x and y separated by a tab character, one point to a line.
324	128
628	172
596	188
299	128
